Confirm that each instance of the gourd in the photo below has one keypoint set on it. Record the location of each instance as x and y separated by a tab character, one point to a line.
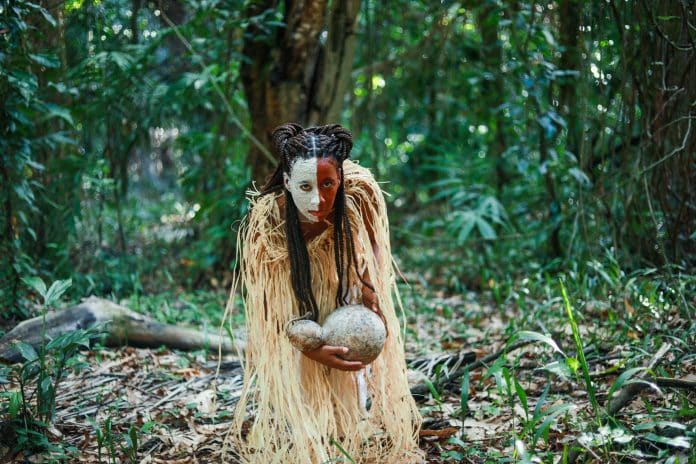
356	327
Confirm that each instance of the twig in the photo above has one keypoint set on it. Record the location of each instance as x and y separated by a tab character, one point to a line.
420	391
630	391
683	384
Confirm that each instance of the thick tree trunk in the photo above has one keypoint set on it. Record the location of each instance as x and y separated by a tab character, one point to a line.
570	15
669	136
493	89
301	72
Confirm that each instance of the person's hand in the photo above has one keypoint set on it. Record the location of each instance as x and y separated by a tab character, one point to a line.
369	299
330	356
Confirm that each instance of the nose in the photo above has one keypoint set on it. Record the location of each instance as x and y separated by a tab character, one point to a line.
316	199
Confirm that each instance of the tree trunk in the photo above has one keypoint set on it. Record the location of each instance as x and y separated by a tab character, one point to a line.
299	73
570	14
669	136
493	89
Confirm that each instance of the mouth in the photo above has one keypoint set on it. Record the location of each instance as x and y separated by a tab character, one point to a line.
315	213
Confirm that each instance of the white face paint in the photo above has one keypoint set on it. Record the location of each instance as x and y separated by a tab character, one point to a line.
302	185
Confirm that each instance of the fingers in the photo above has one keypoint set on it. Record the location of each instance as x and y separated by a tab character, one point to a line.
344	365
337	362
335	350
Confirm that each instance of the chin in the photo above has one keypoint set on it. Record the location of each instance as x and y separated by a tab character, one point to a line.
310	218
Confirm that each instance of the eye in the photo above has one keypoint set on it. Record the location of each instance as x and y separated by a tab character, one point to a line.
327	184
306	188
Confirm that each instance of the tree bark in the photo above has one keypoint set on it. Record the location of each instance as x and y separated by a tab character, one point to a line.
669	149
569	15
299	73
493	89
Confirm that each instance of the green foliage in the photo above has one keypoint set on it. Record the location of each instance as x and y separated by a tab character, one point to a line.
506	132
34	123
30	401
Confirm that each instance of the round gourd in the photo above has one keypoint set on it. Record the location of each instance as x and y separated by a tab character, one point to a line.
355	327
305	335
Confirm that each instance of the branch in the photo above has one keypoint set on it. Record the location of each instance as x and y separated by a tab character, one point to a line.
683	384
629	392
419	392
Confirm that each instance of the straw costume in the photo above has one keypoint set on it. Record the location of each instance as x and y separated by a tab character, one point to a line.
296	410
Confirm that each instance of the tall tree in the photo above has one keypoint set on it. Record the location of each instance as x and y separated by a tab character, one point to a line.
669	144
493	88
570	14
299	72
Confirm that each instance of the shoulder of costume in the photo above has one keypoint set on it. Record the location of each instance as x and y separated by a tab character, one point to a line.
359	180
263	208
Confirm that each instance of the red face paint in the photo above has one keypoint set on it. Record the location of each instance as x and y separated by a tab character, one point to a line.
328	182
313	184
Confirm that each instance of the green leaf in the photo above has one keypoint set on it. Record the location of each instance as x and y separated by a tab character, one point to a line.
485	229
621	380
433	390
580	176
15	404
59	112
27	351
56	291
46	385
677	442
652	425
522	395
537	337
147	426
540	402
464	397
560	368
573	364
47	16
37	284
49	61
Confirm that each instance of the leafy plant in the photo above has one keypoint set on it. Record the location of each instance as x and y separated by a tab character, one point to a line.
31	387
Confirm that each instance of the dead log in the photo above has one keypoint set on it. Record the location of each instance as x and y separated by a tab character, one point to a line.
123	327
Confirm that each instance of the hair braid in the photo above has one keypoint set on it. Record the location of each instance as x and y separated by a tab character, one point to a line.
292	142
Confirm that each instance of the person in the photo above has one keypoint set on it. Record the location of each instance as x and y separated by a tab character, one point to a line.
316	238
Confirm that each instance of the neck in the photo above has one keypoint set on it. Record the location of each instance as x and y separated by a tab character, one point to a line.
313	229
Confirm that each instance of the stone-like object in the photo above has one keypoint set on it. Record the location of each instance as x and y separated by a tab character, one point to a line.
356	327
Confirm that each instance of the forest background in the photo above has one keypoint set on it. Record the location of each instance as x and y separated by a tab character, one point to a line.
521	143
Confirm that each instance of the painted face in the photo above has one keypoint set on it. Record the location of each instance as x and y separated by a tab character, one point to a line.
313	184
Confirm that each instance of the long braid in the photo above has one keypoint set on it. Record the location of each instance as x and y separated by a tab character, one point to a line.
293	143
299	261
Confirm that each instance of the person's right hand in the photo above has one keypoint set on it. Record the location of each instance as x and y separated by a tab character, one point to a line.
329	356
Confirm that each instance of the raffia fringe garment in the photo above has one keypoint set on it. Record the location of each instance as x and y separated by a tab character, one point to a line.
300	408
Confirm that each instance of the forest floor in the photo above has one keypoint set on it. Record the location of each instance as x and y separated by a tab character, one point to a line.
528	403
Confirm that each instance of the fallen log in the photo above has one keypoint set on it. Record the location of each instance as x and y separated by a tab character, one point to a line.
123	327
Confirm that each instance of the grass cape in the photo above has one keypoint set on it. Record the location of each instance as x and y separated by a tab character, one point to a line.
293	409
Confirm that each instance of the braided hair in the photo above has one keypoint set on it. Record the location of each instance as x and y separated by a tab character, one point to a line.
293	142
